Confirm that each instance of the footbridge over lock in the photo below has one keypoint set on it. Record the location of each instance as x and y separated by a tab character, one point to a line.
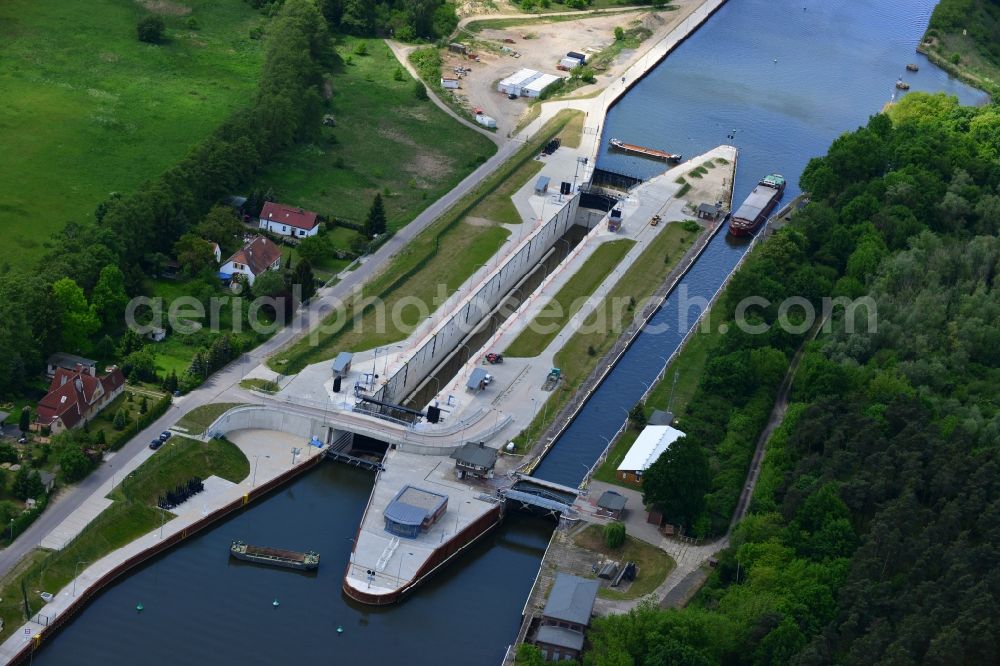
540	497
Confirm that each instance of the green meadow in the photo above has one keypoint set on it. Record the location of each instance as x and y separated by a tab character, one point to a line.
88	109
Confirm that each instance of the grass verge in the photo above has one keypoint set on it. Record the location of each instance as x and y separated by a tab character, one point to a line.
433	264
567	302
385	141
259	384
653	563
580	355
121	523
198	419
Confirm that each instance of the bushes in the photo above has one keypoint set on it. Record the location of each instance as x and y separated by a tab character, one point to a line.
155	411
614	535
150	29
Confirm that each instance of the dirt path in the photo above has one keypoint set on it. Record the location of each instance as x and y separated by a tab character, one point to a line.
402	53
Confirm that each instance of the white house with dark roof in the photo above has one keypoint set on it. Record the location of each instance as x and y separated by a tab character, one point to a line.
288	221
253	259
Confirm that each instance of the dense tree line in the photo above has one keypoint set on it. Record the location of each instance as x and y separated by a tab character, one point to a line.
77	291
874	533
407	20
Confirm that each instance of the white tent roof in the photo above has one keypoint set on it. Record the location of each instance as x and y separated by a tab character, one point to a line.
649	446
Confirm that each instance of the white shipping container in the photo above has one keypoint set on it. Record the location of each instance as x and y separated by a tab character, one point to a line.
486	121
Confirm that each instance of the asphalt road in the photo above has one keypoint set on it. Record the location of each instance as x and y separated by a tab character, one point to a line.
227	379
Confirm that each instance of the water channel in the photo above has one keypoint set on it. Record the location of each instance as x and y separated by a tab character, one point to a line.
836	64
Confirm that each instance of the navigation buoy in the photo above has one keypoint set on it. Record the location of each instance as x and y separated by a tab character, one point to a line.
775	60
138	607
275	603
340	629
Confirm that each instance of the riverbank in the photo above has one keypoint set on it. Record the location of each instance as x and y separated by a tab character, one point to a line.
272	467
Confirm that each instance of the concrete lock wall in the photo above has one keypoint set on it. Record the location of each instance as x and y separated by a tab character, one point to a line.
489	295
268	418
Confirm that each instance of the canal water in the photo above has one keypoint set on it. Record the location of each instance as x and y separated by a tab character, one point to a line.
836	64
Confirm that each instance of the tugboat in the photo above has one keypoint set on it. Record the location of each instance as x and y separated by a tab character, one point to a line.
277	557
902	85
912	67
757	206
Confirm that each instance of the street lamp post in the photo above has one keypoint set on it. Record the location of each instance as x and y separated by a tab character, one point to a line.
10	538
256	459
76	572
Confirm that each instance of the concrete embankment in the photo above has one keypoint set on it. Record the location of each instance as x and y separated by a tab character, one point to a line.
227	497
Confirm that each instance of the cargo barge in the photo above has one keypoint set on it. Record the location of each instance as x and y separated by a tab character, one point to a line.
276	557
645	152
755	209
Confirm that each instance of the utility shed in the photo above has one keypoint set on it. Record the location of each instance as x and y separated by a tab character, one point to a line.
413	510
709	211
542	185
613	503
660	418
571	602
475	459
342	364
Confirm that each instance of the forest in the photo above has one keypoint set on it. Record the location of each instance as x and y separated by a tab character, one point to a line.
874	531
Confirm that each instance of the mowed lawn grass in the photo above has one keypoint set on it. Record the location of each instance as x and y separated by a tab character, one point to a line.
131	515
579	356
420	277
88	109
653	563
567	302
385	141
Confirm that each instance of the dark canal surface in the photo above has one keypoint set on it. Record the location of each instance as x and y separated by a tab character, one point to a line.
837	62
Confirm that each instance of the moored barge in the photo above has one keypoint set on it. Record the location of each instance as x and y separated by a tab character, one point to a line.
755	209
645	152
276	557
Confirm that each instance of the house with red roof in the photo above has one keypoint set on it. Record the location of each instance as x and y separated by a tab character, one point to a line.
257	256
288	221
78	395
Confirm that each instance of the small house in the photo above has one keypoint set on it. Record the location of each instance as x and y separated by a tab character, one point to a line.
457	47
288	221
157	334
709	211
612	503
475	459
479	379
652	443
48	480
253	259
449	83
342	364
237	204
566	617
76	396
413	511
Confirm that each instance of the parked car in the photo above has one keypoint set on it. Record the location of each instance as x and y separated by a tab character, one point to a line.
165	435
155	444
512	96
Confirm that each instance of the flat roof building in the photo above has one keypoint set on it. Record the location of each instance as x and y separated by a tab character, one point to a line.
538	85
413	510
648	447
